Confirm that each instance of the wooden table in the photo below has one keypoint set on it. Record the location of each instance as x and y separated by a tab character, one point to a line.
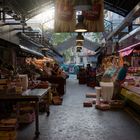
30	95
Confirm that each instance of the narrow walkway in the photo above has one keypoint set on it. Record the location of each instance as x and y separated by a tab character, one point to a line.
71	121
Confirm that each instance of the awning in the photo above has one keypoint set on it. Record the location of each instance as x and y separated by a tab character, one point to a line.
7	44
30	51
30	46
128	50
27	41
59	58
126	53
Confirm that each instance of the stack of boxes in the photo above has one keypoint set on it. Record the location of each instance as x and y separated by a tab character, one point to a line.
25	113
101	104
91	101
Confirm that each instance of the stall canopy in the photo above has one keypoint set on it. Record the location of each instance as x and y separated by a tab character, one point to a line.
33	52
21	49
54	54
8	44
28	45
27	41
128	50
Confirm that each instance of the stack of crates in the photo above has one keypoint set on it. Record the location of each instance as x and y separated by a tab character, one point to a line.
25	113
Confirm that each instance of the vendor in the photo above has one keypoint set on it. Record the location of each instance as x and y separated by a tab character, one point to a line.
120	79
56	71
47	69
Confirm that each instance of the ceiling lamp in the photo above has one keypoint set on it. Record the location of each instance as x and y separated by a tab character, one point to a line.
44	49
80	26
79	44
78	49
79	37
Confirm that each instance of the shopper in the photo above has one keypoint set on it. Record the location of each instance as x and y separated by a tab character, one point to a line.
55	70
120	79
91	76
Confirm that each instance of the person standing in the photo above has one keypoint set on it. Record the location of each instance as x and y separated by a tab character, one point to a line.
91	76
47	69
120	79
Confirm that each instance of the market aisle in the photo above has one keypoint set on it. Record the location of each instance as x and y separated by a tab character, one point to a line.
71	121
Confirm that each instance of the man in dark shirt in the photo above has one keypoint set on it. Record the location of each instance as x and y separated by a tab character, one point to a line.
122	73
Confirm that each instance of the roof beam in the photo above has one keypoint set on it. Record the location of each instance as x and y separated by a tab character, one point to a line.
118	10
127	21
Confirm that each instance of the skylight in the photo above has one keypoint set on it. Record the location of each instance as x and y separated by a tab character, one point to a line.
45	19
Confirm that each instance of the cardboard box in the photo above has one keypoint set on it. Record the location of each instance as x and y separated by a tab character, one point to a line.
102	106
87	104
117	104
57	100
91	95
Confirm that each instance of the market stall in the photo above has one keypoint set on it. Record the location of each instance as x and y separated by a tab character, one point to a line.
131	95
131	86
30	95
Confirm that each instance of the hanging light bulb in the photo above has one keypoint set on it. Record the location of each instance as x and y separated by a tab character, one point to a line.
79	37
80	26
79	43
78	49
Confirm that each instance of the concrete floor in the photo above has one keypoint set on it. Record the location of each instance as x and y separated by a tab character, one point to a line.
71	121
